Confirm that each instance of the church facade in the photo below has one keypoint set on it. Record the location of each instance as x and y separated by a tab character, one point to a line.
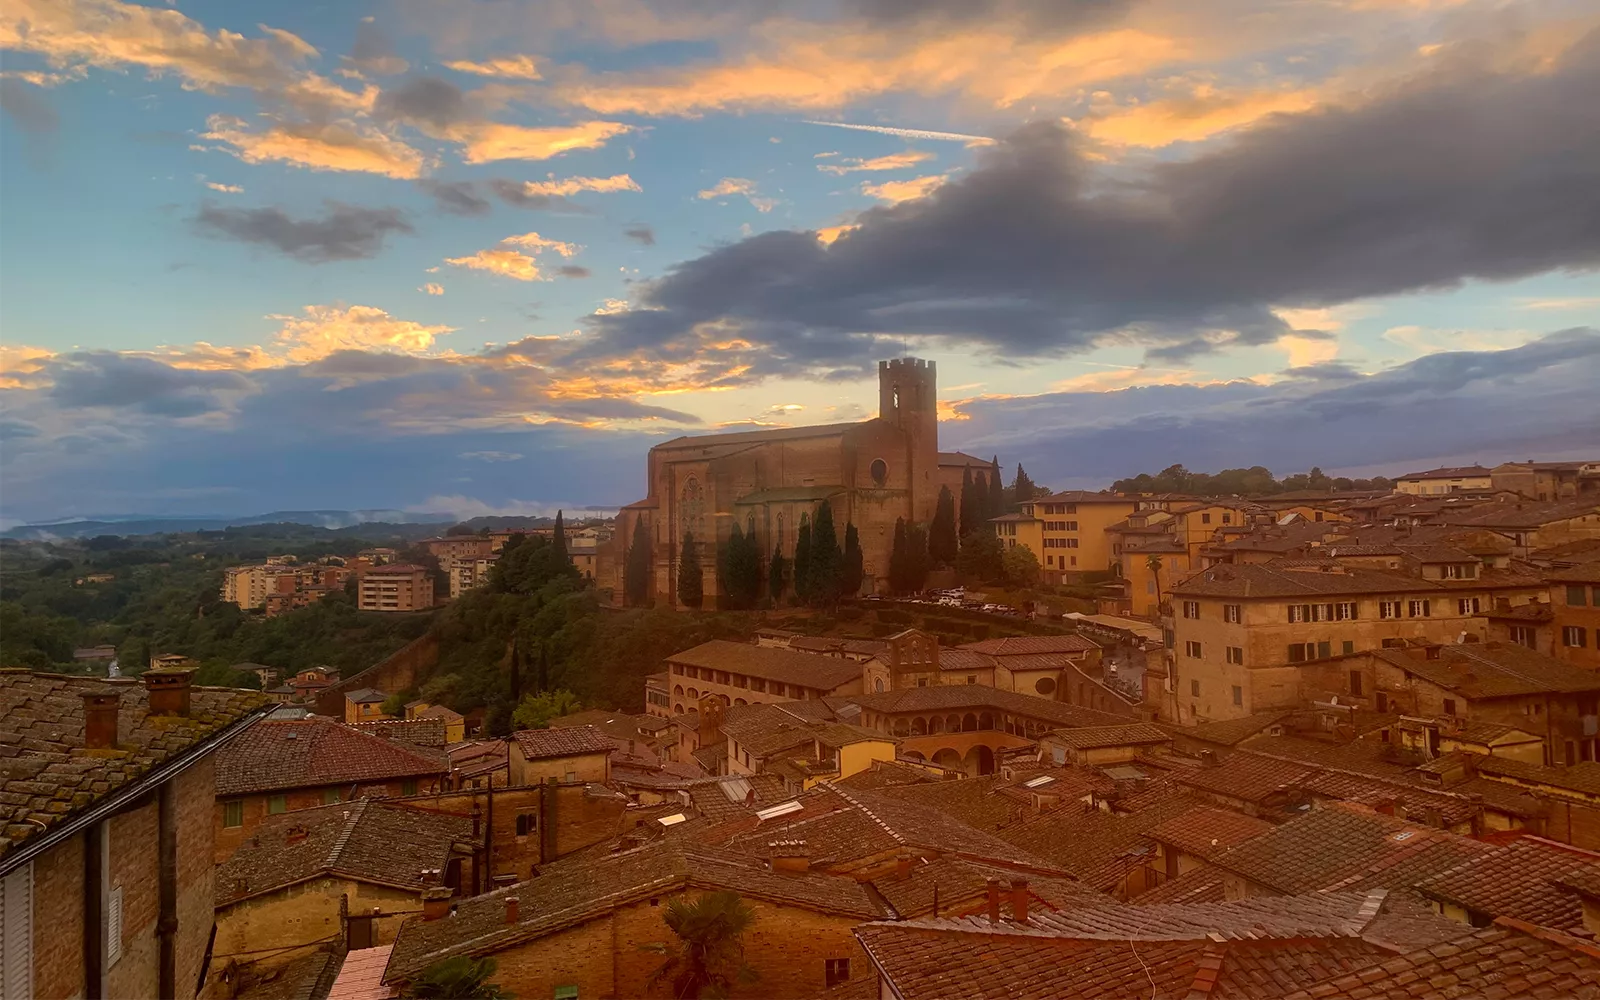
872	473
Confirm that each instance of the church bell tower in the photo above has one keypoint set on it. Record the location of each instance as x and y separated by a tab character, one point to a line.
908	399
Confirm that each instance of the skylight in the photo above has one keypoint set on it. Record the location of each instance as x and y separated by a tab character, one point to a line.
1039	782
672	820
781	809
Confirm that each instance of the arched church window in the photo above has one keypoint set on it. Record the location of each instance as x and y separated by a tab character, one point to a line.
691	507
894	396
880	471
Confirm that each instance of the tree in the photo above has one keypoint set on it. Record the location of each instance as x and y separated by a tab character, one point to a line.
1152	562
739	569
777	575
1022	489
393	706
852	570
459	978
708	959
943	544
979	561
971	515
826	558
636	567
997	489
558	538
527	564
459	529
1020	565
691	579
980	497
536	710
899	555
918	562
802	560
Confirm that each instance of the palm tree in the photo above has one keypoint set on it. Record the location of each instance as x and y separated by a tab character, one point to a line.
709	957
459	978
1152	562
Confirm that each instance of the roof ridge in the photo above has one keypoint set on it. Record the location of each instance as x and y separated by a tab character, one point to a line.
343	841
1550	934
891	831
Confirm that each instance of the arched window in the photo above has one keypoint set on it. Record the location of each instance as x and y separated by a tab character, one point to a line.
693	693
952	724
919	727
894	398
935	726
677	691
986	721
880	472
691	508
739	701
901	728
877	685
969	722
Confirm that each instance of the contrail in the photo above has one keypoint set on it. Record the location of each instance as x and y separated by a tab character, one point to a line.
909	133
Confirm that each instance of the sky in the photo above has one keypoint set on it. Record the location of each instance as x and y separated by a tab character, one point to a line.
477	257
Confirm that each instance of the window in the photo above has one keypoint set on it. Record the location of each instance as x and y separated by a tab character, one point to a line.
527	824
1450	706
1388	609
1355	683
1324	650
1463	571
1467	606
972	678
835	971
1191	609
1344	612
1238	695
330	796
1383	706
1298	652
1072	543
1574	636
1524	635
233	813
1575	595
277	804
1205	518
1347	647
1299	613
1191	649
1417	609
1194	689
570	777
16	944
1235	654
1227	518
879	471
566	993
1231	614
408	786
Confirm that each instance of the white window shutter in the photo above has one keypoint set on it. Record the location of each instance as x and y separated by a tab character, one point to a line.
113	926
16	934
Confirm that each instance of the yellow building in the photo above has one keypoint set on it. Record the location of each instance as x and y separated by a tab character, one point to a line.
771	739
1066	531
1433	482
1148	581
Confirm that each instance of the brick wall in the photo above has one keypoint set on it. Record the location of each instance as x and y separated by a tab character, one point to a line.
196	793
275	928
135	867
565	818
255	807
58	920
403	669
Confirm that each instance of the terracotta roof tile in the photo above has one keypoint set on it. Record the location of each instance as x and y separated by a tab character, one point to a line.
1494	670
568	741
307	978
311	753
1015	645
47	777
1207	831
420	731
1253	580
1096	737
1518	880
808	670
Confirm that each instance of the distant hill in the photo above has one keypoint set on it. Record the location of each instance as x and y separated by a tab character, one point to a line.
140	524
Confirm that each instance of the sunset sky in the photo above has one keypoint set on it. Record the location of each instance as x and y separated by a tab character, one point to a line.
476	257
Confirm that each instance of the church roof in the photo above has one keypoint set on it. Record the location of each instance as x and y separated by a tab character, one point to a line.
756	437
779	494
962	458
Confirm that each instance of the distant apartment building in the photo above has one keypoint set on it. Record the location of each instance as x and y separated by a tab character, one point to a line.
281	584
1458	479
396	587
1575	615
1066	531
1547	480
467	574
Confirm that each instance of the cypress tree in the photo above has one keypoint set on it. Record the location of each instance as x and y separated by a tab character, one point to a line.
899	572
636	568
852	571
942	542
728	566
970	514
691	579
544	666
918	563
559	539
802	560
980	504
1022	489
997	489
777	573
826	559
516	671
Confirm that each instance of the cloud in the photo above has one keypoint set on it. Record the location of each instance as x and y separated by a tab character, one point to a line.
508	67
894	161
425	101
27	109
432	288
486	142
741	187
492	456
1198	111
344	232
641	234
573	271
1570	302
567	186
336	145
895	192
1460	173
322	331
506	263
225	188
456	197
373	53
538	244
105	379
908	133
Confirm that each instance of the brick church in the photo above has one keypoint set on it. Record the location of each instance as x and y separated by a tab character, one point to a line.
872	473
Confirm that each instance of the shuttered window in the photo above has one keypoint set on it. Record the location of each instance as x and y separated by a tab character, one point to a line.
113	926
16	932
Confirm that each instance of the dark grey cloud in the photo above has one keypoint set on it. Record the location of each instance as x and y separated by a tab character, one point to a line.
573	271
31	112
106	379
643	234
514	193
1324	371
1046	14
456	197
1462	173
344	232
373	53
424	100
1536	399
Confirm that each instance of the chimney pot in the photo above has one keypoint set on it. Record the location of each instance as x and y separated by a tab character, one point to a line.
902	866
168	689
994	900
511	909
100	719
435	902
1019	900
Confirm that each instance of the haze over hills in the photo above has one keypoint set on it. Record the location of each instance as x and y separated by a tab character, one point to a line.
426	522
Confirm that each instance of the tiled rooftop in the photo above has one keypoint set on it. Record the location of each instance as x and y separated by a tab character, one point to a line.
1494	670
1017	645
1253	580
569	741
977	698
809	670
1207	831
311	753
421	732
1098	737
1519	880
46	774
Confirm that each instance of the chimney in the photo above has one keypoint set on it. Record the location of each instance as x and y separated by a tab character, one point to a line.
902	866
789	856
511	909
296	834
1208	758
169	690
994	901
435	902
1019	900
100	719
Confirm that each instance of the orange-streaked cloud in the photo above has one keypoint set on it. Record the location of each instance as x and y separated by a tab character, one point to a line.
537	243
738	187
343	146
432	288
22	367
567	186
486	142
1570	302
895	192
225	188
505	67
828	234
894	161
506	263
322	330
1202	112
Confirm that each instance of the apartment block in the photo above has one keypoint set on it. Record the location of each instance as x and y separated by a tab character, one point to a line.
1434	482
1066	531
401	587
1575	615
